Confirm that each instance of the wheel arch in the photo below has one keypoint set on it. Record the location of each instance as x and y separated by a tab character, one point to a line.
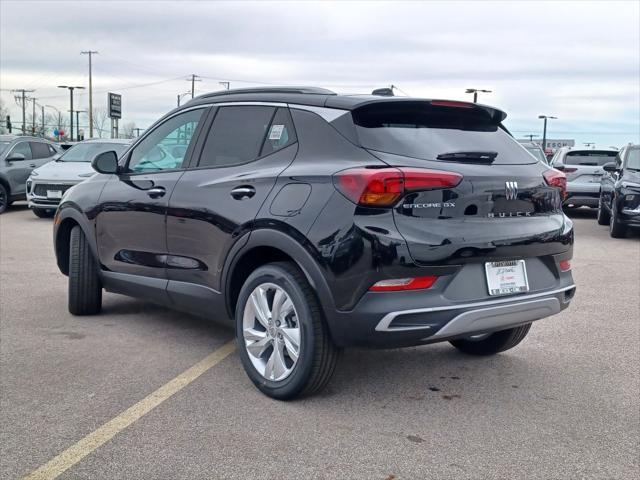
66	218
266	246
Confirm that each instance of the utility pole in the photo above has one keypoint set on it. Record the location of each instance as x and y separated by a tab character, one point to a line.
180	95
33	116
24	106
71	89
226	85
544	130
531	137
194	78
475	93
138	130
90	52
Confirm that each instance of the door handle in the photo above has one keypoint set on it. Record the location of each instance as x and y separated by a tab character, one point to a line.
156	192
240	193
32	165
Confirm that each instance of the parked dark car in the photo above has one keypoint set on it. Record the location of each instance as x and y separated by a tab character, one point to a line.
619	204
318	221
19	155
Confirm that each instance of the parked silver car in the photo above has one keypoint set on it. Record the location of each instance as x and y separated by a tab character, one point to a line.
19	155
47	184
583	168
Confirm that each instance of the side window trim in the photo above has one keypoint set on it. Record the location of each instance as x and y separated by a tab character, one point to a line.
124	162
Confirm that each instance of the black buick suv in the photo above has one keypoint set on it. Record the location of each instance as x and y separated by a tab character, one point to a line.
317	221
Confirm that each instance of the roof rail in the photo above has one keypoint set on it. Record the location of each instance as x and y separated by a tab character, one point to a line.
307	90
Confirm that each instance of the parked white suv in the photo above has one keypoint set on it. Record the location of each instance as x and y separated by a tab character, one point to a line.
583	168
47	184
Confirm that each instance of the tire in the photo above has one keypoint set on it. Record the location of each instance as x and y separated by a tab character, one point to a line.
301	316
4	199
494	343
616	229
603	213
43	212
85	288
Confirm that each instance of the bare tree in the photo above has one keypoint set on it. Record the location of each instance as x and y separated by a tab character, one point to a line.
101	122
127	130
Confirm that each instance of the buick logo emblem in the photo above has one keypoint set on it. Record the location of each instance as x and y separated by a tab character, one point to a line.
511	190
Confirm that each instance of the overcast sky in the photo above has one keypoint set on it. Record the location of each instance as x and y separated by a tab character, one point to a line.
579	61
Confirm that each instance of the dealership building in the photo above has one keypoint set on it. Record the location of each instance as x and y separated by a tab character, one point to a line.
552	143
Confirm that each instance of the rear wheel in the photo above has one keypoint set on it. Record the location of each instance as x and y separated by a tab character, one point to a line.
283	340
4	198
85	288
616	229
603	214
43	212
492	343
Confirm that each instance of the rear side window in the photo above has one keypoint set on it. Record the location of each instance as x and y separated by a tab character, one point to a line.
281	133
632	161
594	158
237	135
425	131
40	150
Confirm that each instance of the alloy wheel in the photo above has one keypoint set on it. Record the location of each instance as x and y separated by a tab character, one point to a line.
271	331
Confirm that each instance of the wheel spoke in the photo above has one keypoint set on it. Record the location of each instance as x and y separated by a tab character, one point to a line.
258	347
275	365
260	306
291	341
286	309
278	299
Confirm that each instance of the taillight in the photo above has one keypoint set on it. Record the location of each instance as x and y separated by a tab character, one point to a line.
556	178
382	187
565	265
400	284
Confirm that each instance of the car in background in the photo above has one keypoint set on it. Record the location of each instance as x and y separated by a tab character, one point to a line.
19	155
619	201
583	168
46	185
536	150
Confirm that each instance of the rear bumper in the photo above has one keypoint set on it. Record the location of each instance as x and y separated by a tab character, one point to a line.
583	198
395	319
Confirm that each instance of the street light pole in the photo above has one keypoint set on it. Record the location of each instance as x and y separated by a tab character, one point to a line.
90	52
71	89
544	130
475	93
78	112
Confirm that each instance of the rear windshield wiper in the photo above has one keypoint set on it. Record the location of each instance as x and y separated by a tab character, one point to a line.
478	157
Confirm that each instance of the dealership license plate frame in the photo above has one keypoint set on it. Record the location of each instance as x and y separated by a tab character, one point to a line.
498	285
54	194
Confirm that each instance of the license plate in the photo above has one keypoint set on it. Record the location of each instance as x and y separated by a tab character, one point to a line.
508	277
54	194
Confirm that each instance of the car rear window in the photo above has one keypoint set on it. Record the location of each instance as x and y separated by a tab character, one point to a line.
594	158
421	130
536	152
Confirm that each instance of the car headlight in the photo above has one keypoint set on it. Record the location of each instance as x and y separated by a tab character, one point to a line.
34	173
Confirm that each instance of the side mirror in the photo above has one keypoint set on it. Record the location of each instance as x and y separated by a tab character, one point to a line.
610	167
16	157
106	162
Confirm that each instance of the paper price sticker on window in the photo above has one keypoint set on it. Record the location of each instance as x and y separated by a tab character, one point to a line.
276	132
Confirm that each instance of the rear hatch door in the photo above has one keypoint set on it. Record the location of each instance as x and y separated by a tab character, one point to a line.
584	167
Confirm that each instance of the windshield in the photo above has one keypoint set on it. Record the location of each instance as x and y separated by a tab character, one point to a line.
3	146
424	131
536	152
633	159
595	158
85	152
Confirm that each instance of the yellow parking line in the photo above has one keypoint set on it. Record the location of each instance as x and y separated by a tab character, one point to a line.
72	455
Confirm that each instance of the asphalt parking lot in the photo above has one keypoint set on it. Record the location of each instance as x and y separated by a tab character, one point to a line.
563	404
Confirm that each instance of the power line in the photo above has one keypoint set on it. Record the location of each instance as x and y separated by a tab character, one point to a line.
23	93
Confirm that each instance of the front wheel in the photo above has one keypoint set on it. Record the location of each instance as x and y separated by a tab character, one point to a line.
85	288
616	229
283	340
4	199
492	343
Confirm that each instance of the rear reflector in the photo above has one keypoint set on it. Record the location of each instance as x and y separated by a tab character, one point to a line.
556	178
382	187
399	284
565	265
